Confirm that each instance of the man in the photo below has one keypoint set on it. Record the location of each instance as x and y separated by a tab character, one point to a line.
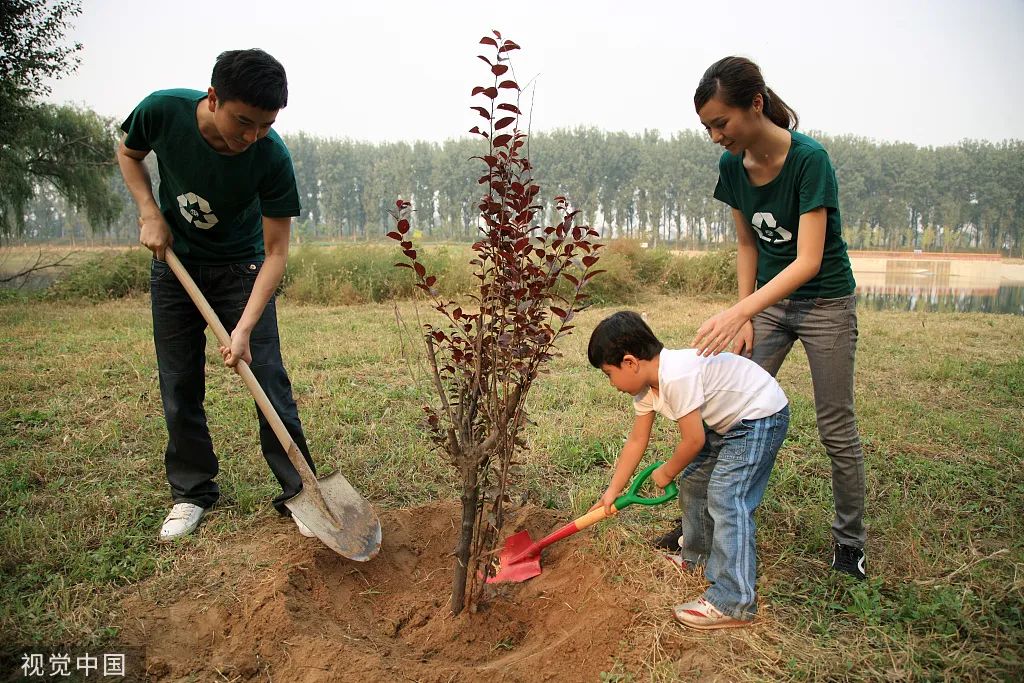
227	197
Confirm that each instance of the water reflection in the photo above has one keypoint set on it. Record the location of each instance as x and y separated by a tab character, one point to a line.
944	285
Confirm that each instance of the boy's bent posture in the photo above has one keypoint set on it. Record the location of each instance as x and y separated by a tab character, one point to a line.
227	197
732	418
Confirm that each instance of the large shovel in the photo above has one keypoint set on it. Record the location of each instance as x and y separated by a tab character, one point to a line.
330	507
519	558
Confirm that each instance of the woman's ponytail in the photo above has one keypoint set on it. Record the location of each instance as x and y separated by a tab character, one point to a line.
737	80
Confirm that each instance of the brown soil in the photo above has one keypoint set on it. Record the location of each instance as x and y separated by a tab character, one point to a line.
306	614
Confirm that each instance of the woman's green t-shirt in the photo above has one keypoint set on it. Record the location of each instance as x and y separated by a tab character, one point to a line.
806	182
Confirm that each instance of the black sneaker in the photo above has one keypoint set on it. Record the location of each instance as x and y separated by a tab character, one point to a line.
849	560
669	540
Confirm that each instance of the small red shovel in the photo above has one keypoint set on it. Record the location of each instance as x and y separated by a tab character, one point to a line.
519	559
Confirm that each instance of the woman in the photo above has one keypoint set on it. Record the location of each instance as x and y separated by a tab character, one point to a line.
784	198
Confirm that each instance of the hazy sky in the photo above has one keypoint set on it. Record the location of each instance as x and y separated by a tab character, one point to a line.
931	73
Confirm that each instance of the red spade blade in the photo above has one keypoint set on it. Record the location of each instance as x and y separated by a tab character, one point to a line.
512	565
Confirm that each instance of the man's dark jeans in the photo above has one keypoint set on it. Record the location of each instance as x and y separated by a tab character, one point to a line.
178	330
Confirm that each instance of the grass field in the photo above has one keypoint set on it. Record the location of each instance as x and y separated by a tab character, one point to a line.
940	403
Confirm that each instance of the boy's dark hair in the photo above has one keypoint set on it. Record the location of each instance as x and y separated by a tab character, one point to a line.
621	333
252	77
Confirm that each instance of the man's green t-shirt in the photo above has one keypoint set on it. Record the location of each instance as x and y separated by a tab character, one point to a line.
806	182
214	203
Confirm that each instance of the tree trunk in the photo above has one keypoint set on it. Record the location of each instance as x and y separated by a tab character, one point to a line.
462	551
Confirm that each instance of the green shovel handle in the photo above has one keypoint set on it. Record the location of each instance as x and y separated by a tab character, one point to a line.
631	496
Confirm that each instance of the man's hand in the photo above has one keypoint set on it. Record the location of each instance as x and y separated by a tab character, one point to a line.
606	501
155	234
239	349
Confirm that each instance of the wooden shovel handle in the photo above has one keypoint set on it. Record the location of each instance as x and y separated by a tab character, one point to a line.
243	369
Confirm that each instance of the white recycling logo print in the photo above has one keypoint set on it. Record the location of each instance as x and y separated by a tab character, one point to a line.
768	229
196	210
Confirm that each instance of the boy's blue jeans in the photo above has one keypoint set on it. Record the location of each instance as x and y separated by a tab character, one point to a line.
718	492
179	333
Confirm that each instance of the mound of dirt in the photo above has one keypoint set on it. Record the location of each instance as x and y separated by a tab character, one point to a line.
310	615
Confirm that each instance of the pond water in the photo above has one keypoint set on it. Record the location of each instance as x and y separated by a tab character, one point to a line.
937	284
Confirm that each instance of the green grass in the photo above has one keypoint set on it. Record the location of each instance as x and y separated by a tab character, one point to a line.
940	402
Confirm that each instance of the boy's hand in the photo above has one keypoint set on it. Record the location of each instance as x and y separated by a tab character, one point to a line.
606	501
661	477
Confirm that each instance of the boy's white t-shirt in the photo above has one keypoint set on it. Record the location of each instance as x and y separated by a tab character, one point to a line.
726	388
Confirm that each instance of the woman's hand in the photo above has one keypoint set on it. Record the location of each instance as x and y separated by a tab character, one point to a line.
717	331
743	345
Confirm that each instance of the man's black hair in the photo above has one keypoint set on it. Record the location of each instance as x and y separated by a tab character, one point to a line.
252	77
619	334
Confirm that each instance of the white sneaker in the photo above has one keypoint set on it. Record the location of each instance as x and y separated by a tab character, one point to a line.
182	520
303	529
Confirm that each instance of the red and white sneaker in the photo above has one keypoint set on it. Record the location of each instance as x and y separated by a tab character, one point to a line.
679	562
701	614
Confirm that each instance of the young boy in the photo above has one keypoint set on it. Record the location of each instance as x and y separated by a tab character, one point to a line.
227	198
732	418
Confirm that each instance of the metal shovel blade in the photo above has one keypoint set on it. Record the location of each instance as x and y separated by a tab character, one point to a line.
512	564
356	532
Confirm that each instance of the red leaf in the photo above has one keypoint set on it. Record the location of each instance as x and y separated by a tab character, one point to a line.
498	69
483	58
406	244
512	85
508	46
430	281
504	123
394	235
571	278
559	312
403	226
411	253
477	90
483	112
502	141
589	260
488	41
420	270
402	265
509	107
491	92
496	33
475	129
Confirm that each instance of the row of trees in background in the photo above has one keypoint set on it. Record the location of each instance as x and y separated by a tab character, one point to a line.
646	186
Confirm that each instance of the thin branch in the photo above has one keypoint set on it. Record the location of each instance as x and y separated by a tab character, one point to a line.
37	266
